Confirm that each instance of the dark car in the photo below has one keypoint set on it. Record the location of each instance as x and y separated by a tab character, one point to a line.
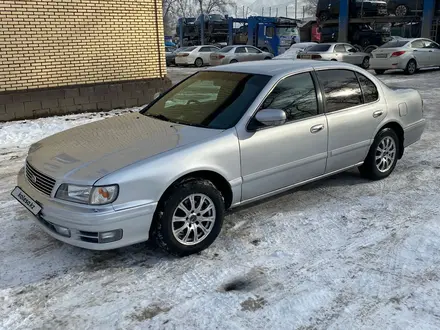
170	55
408	7
327	9
358	34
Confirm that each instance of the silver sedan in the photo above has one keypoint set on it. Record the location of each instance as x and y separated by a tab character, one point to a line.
406	54
234	54
224	137
341	52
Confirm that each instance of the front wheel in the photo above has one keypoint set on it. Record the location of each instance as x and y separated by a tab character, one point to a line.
379	72
190	219
198	62
382	156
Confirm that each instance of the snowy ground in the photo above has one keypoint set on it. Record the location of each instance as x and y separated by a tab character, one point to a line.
343	253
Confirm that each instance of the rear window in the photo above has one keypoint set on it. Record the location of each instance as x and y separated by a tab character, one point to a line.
394	44
189	49
319	48
225	49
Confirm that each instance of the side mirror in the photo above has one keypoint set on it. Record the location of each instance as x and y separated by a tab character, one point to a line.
271	117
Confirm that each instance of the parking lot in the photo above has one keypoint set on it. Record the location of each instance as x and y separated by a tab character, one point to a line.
343	253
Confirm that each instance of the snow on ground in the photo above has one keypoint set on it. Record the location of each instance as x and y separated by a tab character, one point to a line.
343	253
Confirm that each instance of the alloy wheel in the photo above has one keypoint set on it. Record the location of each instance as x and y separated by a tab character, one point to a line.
193	219
401	10
385	154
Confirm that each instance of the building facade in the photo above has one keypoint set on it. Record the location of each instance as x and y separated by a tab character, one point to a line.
66	56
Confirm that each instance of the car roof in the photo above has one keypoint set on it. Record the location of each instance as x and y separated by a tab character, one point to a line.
274	68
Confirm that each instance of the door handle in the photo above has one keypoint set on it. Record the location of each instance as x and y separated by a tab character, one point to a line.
377	113
316	128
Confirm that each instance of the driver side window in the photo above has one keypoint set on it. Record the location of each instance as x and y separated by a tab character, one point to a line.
296	95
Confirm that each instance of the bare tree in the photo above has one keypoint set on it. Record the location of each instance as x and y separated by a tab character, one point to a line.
310	7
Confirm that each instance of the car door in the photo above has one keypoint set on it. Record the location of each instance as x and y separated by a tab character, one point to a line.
273	158
354	109
434	52
420	53
204	54
241	54
254	53
353	56
341	53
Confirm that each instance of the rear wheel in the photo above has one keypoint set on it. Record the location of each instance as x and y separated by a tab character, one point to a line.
233	61
334	60
382	156
190	219
324	15
198	62
401	10
379	71
365	63
411	67
267	58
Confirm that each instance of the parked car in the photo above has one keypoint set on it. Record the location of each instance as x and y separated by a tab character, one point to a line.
293	51
195	55
224	137
358	34
336	52
406	54
234	54
170	55
408	7
327	9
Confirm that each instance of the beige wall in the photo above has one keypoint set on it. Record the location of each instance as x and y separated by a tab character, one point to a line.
48	43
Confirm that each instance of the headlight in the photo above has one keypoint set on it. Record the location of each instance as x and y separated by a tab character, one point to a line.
87	194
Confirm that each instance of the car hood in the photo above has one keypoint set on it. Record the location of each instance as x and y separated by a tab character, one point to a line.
88	152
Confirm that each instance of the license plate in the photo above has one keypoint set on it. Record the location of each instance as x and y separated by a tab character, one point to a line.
381	56
25	200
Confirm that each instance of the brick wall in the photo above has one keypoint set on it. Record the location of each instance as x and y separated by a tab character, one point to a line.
58	43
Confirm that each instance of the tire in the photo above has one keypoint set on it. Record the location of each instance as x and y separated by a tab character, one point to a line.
365	43
379	72
333	59
267	58
233	61
411	67
379	169
323	16
198	62
401	11
164	231
360	14
365	63
370	48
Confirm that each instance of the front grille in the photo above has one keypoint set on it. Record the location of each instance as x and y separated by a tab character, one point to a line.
89	237
39	181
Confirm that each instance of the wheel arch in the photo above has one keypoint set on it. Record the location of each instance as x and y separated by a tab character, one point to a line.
217	180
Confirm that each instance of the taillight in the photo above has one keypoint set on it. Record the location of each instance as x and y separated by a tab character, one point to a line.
184	55
221	56
396	54
316	57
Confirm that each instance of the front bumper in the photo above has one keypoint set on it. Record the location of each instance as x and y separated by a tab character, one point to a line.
85	223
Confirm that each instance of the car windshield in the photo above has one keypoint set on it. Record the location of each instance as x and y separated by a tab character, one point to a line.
319	48
216	17
394	44
225	49
287	31
208	99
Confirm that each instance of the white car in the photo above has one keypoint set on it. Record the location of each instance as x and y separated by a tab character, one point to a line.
293	51
195	55
405	54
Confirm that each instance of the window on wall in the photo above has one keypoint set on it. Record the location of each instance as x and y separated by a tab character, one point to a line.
369	89
341	89
296	95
